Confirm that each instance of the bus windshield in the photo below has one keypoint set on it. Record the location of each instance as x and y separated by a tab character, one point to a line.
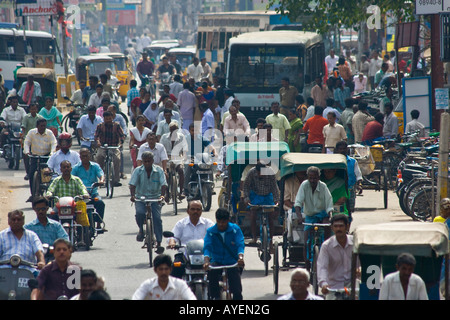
259	68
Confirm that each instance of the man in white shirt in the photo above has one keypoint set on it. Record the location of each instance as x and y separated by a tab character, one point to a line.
335	258
159	152
63	154
96	98
87	126
360	82
333	133
207	72
300	280
403	284
195	70
374	66
236	124
414	124
331	61
163	286
189	228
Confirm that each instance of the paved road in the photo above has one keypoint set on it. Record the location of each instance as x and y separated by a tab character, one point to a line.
117	256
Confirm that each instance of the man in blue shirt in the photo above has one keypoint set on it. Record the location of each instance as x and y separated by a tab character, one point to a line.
224	245
208	122
48	230
90	172
87	125
148	181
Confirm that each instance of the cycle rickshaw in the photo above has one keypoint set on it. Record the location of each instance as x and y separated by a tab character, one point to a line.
377	247
374	172
292	245
240	157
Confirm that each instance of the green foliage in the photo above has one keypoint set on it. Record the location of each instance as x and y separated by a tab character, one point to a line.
325	15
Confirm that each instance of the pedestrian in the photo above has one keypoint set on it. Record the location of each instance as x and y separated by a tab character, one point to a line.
300	106
341	93
334	264
361	118
163	286
186	102
374	129
294	135
403	284
390	126
414	125
360	82
288	94
313	127
331	61
195	70
374	66
346	120
331	107
279	122
320	93
300	280
332	132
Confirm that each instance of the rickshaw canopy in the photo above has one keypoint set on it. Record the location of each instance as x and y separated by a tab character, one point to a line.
37	73
250	152
391	239
297	161
100	62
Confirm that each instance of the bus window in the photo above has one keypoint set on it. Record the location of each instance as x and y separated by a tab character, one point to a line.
215	41
199	40
221	40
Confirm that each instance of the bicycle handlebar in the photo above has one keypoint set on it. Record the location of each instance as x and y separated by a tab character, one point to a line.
223	267
145	200
317	224
263	205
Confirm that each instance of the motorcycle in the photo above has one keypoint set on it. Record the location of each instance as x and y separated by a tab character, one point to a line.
201	183
14	281
166	78
12	149
191	258
74	219
49	251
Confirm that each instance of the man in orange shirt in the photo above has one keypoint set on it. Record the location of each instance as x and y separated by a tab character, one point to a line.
314	128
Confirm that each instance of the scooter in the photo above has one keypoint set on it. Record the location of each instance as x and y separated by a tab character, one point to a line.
201	183
191	258
14	280
12	149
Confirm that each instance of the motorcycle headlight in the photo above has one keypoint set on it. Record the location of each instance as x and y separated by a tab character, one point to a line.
204	166
17	134
197	259
65	211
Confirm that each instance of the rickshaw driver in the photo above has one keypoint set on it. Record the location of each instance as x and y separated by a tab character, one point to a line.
260	188
315	199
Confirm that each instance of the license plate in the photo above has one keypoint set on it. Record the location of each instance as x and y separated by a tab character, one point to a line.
204	172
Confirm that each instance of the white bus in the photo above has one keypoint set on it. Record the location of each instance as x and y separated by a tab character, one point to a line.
38	50
257	61
215	30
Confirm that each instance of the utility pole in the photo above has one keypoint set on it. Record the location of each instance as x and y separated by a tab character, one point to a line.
437	67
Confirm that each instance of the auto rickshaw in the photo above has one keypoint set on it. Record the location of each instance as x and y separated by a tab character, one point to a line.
378	245
124	72
159	47
184	56
44	76
94	64
292	245
240	158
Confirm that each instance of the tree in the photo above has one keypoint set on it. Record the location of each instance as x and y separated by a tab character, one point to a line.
325	15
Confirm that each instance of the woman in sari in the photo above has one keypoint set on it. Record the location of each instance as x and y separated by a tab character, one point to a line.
52	115
295	131
337	188
151	116
138	136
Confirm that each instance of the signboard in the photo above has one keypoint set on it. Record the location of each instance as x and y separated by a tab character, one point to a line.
417	95
35	7
432	6
441	97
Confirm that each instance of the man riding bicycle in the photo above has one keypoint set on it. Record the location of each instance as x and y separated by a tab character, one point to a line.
148	181
145	68
313	204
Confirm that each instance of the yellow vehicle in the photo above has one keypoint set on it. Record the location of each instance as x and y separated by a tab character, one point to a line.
124	72
398	111
95	64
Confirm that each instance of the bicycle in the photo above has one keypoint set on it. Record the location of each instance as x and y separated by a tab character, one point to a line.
149	232
109	170
173	184
264	249
41	179
340	294
314	242
224	285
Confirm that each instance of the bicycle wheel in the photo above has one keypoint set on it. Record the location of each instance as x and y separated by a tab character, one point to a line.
149	237
107	182
276	268
422	206
174	193
111	179
412	190
87	237
206	197
315	282
265	252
